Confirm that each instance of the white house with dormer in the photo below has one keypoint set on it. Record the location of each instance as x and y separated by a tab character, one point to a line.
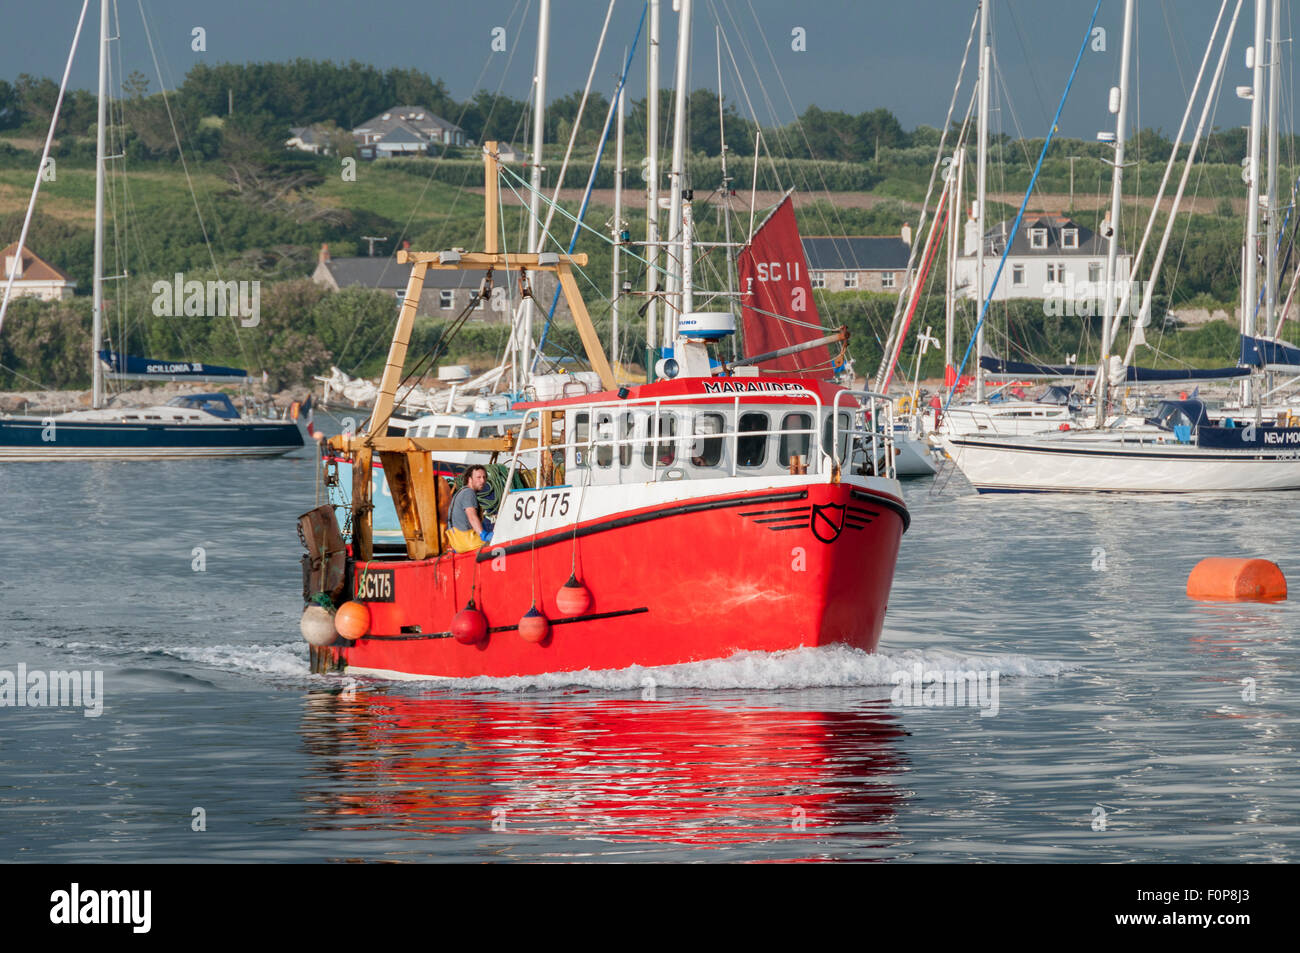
33	276
1052	256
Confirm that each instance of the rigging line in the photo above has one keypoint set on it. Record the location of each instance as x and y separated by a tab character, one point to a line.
1015	228
45	155
744	91
582	106
779	129
929	189
591	179
565	213
798	123
456	197
189	181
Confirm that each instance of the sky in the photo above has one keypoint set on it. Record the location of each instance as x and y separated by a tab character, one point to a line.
858	56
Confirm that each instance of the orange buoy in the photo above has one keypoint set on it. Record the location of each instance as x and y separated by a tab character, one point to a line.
1229	580
534	627
352	621
469	625
573	598
1063	427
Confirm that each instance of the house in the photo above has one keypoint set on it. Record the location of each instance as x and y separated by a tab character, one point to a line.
307	139
1052	257
859	262
405	130
34	277
447	292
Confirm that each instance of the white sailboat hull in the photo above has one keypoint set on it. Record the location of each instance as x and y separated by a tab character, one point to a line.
1086	463
914	455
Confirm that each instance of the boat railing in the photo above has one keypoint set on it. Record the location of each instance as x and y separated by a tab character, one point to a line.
819	458
871	425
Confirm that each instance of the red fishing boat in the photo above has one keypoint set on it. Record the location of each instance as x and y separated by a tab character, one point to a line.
712	512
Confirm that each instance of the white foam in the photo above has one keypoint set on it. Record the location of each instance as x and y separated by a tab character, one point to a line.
287	659
833	666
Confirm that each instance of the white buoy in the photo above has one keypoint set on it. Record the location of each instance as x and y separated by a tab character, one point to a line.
317	626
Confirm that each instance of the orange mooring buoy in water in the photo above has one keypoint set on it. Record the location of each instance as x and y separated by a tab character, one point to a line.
352	621
1229	580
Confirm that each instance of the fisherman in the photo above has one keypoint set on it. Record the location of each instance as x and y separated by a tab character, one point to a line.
468	529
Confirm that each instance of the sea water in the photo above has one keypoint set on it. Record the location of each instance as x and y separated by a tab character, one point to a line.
1130	723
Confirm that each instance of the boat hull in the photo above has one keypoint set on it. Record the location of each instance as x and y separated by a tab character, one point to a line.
1089	465
33	439
770	569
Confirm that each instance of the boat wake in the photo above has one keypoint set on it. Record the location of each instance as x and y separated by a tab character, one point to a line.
835	666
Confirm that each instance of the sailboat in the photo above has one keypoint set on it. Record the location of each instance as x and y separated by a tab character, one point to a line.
1180	448
189	425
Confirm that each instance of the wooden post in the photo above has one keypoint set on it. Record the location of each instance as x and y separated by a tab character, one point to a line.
590	340
491	224
546	465
397	352
362	537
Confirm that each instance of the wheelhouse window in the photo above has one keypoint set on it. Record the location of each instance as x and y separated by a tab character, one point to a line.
663	450
751	446
460	432
604	440
706	450
846	423
794	443
628	429
581	434
442	430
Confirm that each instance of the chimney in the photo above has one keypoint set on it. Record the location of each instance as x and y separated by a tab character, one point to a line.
324	253
907	235
406	245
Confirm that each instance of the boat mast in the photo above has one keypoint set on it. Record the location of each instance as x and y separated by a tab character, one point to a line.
97	308
980	188
677	176
1270	244
615	296
950	291
1250	291
652	194
1120	109
535	201
724	208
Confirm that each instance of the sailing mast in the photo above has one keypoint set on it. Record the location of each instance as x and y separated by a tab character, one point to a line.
97	310
615	296
981	182
535	201
652	194
1250	291
1270	244
677	278
724	207
1120	109
949	299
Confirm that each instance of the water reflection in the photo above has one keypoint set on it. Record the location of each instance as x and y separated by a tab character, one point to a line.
700	773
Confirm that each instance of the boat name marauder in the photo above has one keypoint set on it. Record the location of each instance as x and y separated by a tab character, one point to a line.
737	387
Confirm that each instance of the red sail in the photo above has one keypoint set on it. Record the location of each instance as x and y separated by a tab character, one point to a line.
774	284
